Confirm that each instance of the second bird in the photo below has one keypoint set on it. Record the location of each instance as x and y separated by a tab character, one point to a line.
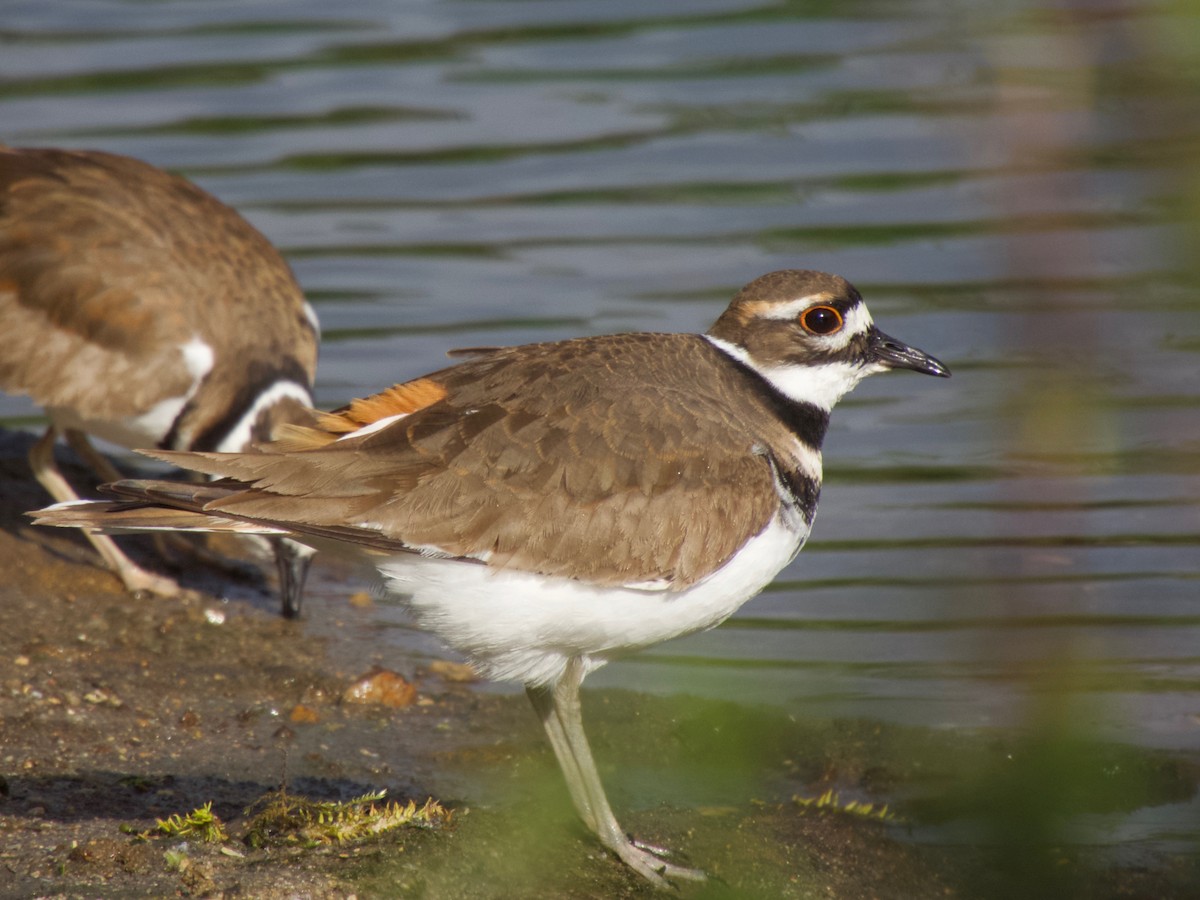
141	310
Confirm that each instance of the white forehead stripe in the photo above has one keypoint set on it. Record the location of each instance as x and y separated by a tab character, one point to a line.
857	321
789	309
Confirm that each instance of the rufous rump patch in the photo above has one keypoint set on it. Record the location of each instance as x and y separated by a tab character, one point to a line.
398	400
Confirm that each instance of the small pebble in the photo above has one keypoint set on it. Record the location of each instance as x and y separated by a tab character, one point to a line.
304	715
381	687
361	600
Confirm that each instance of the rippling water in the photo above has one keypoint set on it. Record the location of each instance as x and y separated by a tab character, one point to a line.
1009	187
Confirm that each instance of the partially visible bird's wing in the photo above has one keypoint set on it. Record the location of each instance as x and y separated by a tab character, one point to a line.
108	264
55	268
145	506
575	459
149	505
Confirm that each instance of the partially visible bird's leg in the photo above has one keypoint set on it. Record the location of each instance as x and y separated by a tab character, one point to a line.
135	578
178	549
562	717
92	458
543	702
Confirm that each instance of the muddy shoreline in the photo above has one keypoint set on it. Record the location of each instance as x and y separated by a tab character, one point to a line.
116	711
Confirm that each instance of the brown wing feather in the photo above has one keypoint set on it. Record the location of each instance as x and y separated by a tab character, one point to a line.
150	505
606	476
67	293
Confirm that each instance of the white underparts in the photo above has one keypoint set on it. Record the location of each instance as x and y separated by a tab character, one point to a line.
517	626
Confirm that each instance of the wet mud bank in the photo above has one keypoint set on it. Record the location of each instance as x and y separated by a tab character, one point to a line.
119	711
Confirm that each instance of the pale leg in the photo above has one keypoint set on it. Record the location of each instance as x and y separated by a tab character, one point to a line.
181	549
93	458
135	578
562	716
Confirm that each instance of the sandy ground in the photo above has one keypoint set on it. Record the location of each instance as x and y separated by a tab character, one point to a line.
116	711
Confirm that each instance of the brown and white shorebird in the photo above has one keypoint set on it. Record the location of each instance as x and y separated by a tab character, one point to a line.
137	308
546	508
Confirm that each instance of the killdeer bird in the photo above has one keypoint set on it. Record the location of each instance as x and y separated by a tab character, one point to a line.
137	308
547	508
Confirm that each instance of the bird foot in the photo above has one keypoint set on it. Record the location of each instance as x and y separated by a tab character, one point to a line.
650	862
138	581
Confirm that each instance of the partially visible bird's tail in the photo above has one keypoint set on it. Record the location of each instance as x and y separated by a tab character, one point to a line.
145	505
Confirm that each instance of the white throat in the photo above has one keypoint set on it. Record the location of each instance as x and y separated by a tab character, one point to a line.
822	385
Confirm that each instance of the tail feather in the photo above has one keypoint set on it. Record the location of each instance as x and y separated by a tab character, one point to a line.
143	505
151	505
186	495
122	517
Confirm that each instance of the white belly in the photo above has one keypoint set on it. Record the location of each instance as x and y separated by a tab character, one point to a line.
519	627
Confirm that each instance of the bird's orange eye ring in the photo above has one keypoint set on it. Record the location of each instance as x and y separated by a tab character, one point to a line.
821	320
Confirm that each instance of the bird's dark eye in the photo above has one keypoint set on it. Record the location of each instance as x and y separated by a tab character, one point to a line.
821	320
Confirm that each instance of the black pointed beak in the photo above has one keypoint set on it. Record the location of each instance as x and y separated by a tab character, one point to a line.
292	560
887	351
